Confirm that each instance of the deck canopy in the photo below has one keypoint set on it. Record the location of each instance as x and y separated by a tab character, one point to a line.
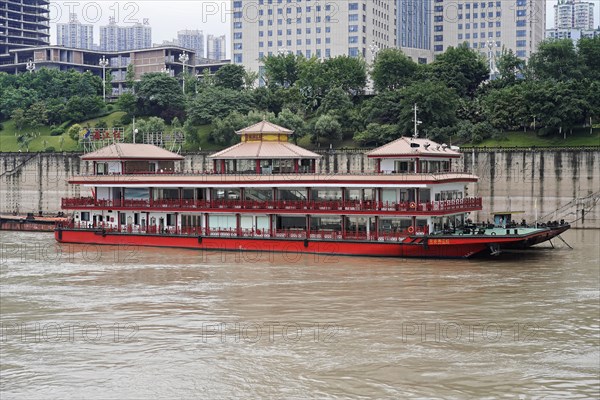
131	151
413	155
132	158
264	149
413	147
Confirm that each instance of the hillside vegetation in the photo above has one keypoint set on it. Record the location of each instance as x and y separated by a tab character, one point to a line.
550	101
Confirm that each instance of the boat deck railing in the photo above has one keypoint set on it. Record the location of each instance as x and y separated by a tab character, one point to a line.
410	207
313	234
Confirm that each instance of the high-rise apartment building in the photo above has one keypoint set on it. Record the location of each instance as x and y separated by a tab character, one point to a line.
325	29
119	38
216	47
427	28
23	23
574	14
193	40
74	34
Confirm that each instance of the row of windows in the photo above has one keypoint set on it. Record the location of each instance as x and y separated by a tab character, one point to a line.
308	31
475	35
489	15
475	25
238	46
307	54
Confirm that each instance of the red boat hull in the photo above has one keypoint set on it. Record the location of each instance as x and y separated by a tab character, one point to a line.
424	247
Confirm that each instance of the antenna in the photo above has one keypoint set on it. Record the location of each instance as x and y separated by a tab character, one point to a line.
417	122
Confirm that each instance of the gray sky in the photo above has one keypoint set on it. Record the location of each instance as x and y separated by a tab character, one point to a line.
166	17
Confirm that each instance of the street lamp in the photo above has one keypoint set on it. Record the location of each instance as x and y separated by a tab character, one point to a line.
30	66
166	70
184	58
491	45
104	64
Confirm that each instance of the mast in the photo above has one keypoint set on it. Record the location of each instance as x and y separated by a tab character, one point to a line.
417	122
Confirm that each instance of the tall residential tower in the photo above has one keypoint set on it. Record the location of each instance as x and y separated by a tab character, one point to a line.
216	46
74	34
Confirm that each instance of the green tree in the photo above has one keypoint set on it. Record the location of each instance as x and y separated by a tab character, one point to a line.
555	59
127	102
327	126
588	50
159	95
393	70
437	105
79	108
336	101
460	68
510	67
151	125
346	73
293	121
130	77
281	70
230	76
376	134
250	78
18	116
216	103
74	131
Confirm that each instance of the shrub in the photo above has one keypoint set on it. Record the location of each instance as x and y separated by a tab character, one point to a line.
50	149
57	131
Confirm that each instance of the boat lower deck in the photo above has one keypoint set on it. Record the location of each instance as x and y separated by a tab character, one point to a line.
434	246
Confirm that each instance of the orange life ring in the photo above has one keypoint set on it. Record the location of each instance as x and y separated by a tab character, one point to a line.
411	229
413	205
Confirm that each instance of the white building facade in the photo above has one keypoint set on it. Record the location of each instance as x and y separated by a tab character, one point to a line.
427	28
310	28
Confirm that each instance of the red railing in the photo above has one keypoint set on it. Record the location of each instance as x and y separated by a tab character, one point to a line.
322	234
326	205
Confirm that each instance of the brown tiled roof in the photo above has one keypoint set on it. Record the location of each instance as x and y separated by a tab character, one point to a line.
264	127
407	146
263	150
132	151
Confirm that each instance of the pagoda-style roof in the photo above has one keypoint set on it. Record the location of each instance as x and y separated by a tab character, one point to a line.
264	127
131	151
411	147
264	150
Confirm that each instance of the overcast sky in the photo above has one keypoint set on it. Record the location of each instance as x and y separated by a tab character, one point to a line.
166	17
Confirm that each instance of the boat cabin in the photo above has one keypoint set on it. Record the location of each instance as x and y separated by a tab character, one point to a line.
409	155
129	158
264	149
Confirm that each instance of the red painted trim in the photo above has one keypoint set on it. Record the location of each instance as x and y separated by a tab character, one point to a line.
123	179
414	155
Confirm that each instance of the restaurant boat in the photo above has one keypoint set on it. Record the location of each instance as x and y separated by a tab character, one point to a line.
266	194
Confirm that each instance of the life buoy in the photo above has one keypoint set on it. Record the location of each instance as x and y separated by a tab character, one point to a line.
413	205
411	229
493	233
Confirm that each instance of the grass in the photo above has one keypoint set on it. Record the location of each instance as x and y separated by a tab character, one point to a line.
43	140
580	137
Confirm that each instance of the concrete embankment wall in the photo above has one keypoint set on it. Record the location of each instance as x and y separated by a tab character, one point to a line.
566	180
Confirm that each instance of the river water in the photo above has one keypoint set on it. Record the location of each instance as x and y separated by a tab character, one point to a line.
127	323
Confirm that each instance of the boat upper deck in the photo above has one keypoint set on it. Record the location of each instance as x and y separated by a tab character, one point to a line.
252	180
